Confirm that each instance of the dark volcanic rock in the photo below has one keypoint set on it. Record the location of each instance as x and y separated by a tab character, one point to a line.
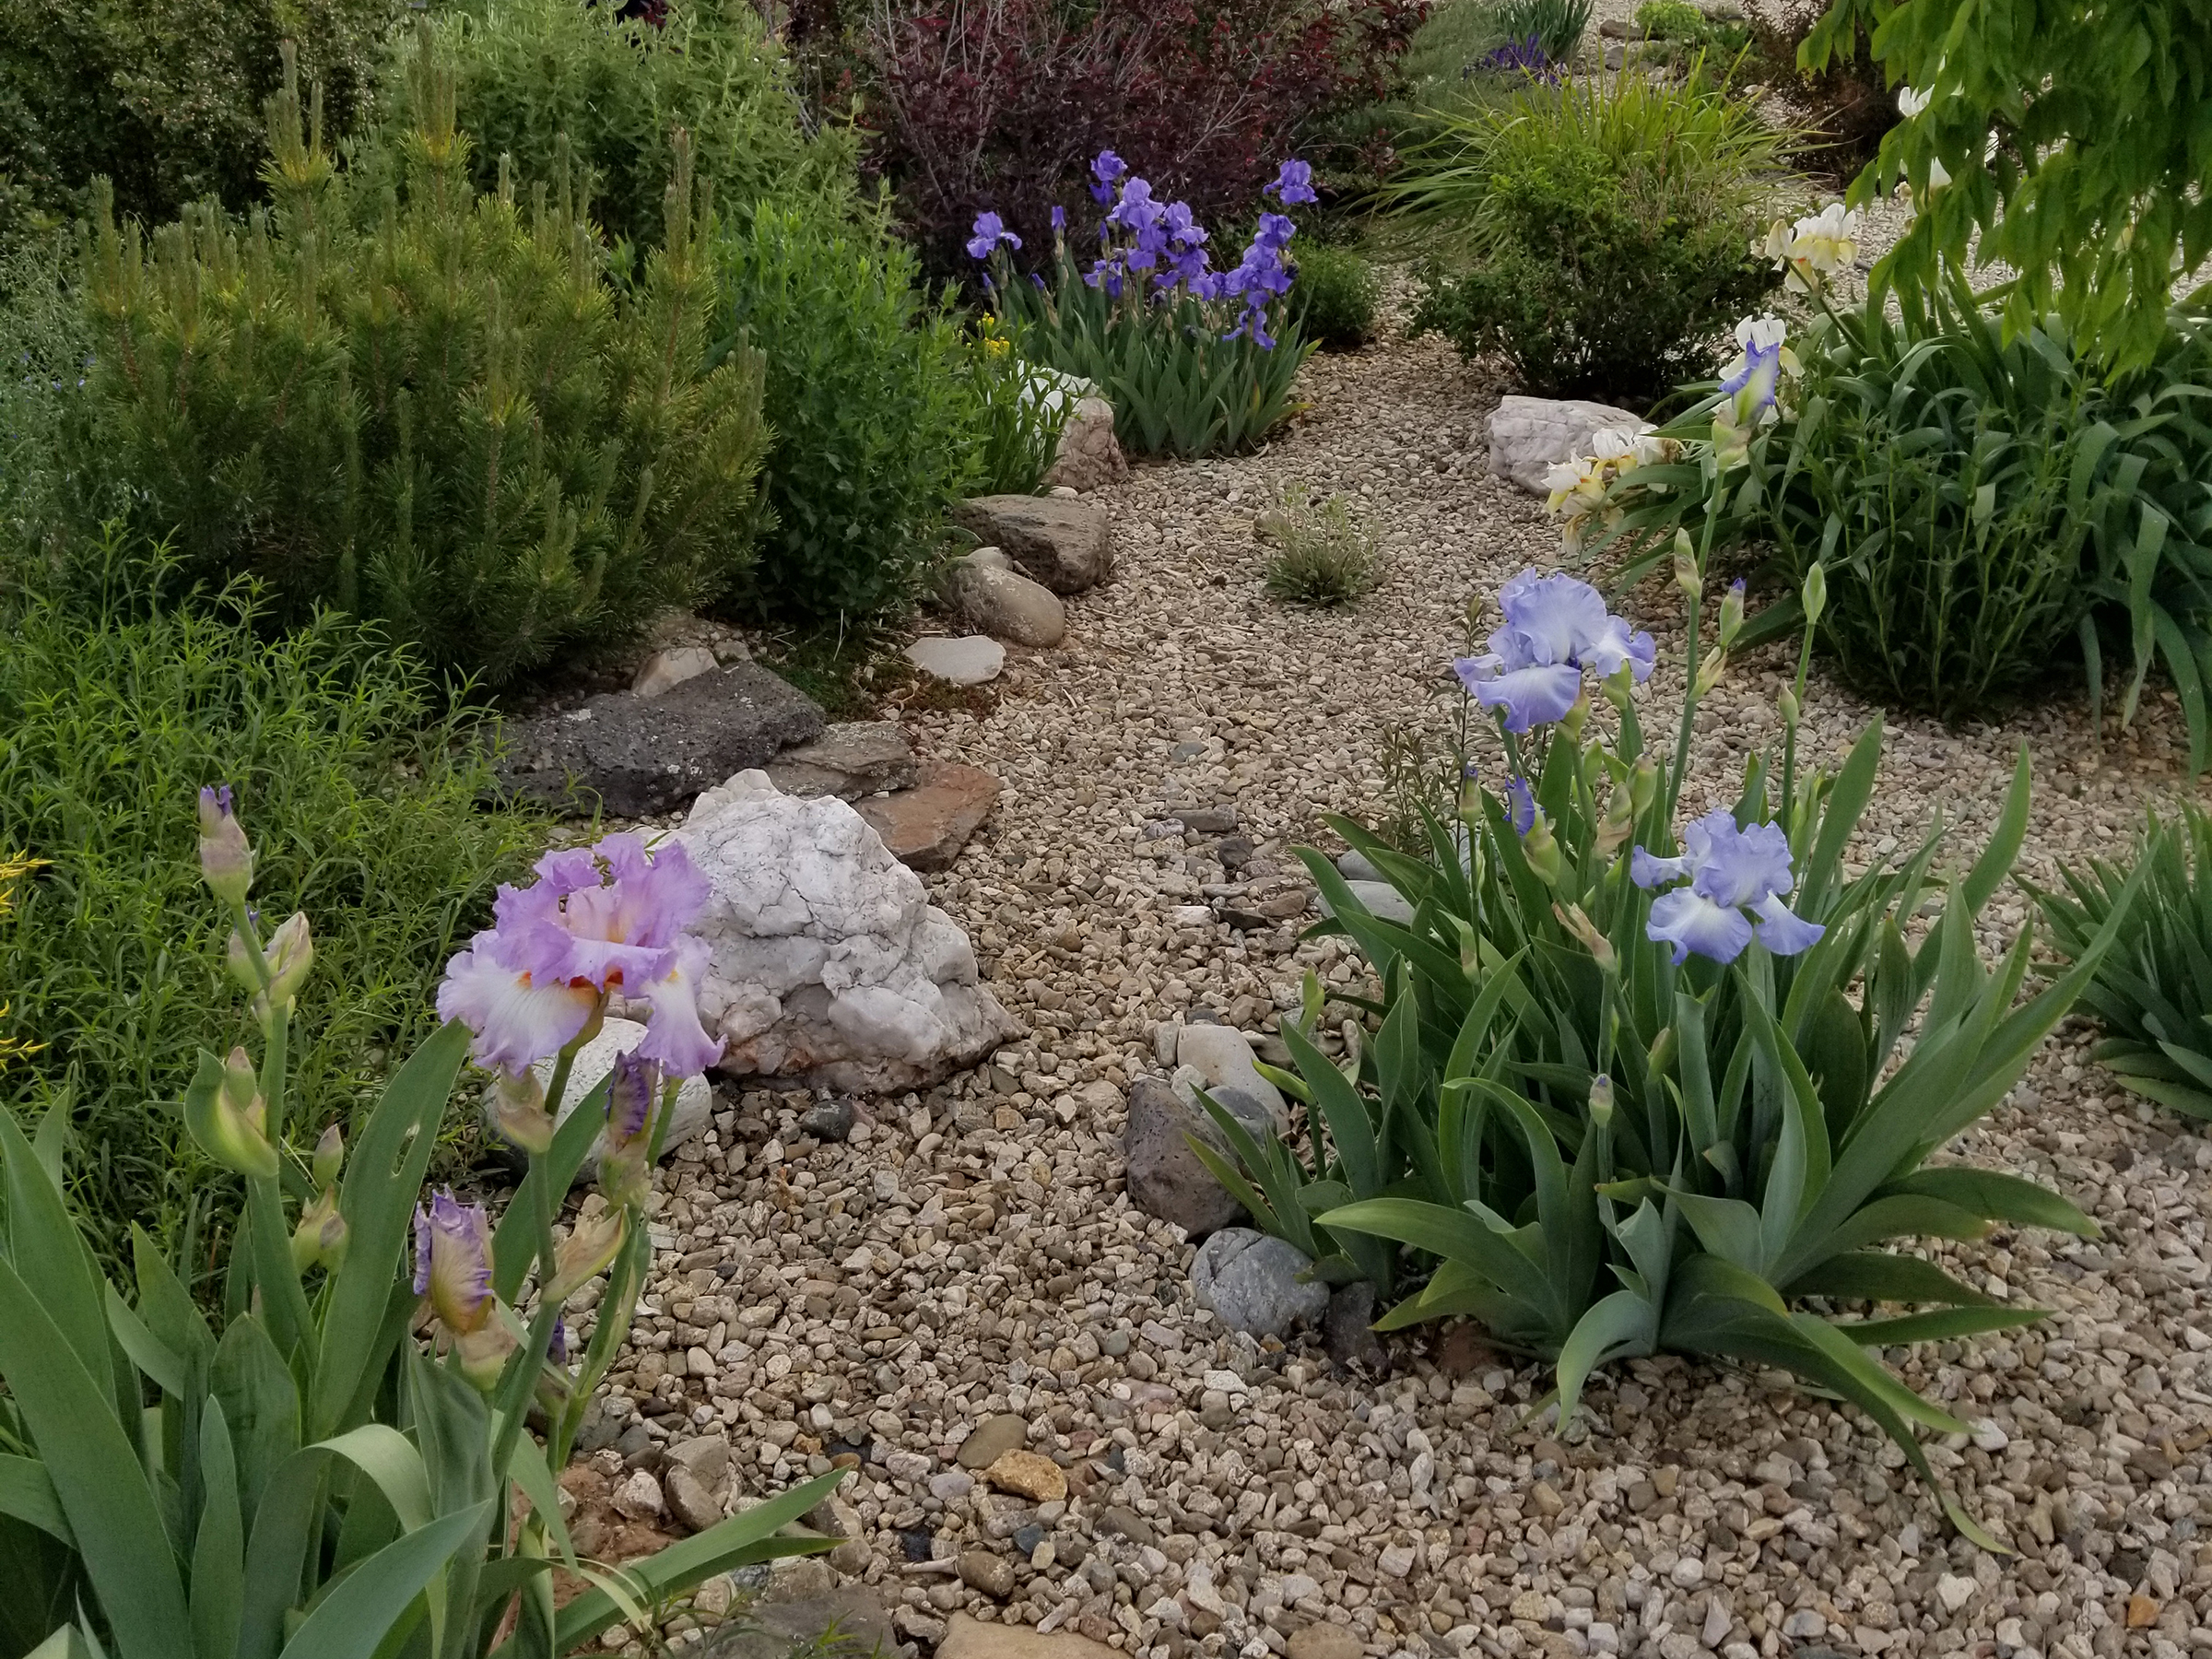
649	755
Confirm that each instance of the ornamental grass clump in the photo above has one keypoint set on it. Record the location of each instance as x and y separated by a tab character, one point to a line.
1195	360
1323	557
347	1467
429	408
1636	1080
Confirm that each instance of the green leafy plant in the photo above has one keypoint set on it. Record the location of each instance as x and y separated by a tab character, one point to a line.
378	812
1019	410
1670	20
1985	501
1605	1114
1333	296
163	98
2152	992
1594	234
44	343
1556	25
1323	557
533	72
317	1481
2073	151
433	413
869	399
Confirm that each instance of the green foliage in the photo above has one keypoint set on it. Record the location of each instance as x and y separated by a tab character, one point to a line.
433	413
1984	506
2151	992
1556	1130
117	706
163	98
43	346
1019	411
1334	298
2076	146
1594	233
316	1483
1670	20
1180	382
1323	557
1557	26
530	72
869	398
1438	75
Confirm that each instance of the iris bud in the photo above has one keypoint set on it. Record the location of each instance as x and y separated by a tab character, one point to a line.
587	1252
1578	713
516	1108
1643	784
1687	575
1541	848
1662	1054
1710	669
289	953
1814	594
1470	795
228	1119
1788	703
330	1156
1601	1100
225	859
321	1236
1732	612
1577	922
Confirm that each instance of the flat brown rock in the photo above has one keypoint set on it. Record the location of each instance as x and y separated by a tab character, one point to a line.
925	826
967	1638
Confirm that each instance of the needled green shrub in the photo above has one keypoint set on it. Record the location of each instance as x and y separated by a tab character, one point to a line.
531	71
868	397
433	411
163	98
44	345
368	803
2152	993
1333	297
1595	235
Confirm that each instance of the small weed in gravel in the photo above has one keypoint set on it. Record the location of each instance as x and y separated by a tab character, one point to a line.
1323	557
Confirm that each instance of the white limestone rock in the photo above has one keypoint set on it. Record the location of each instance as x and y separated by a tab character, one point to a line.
828	962
1529	434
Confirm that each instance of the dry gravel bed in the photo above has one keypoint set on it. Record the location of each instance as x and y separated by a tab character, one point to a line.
970	1254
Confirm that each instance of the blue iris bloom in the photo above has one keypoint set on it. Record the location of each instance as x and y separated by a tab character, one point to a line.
991	233
1731	871
1294	184
1555	629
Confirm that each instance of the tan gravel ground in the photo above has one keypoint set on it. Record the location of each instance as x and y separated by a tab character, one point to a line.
970	1254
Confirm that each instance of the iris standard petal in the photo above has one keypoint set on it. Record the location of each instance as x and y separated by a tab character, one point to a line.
1689	920
1782	931
1743	866
1648	870
1615	645
1557	615
1532	697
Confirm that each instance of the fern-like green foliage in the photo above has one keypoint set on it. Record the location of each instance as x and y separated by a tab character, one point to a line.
2153	992
2076	142
432	409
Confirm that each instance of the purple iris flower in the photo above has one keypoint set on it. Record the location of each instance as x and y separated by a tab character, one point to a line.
1751	388
1731	871
1107	168
991	234
453	1262
1294	184
1059	217
1555	629
1275	231
597	919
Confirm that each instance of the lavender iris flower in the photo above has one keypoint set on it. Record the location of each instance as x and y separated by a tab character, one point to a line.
453	1262
1059	217
1520	806
1294	184
1555	629
1107	170
597	919
1731	871
991	234
1751	388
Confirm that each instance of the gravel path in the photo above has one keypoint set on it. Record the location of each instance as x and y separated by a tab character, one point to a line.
970	1254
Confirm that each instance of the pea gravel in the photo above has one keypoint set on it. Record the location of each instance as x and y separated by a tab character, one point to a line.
968	1256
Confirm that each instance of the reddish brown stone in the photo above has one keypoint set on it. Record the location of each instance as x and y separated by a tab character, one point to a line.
925	826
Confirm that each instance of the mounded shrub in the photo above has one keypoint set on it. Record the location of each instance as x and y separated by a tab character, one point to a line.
870	398
432	410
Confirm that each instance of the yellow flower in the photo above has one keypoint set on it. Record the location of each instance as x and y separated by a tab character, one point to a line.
13	869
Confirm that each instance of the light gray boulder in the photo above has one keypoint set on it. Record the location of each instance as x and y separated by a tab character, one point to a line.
1529	435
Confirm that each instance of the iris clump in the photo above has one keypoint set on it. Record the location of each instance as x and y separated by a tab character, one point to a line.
1196	359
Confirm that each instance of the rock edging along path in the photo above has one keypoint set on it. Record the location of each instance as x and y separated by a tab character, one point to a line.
968	1256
